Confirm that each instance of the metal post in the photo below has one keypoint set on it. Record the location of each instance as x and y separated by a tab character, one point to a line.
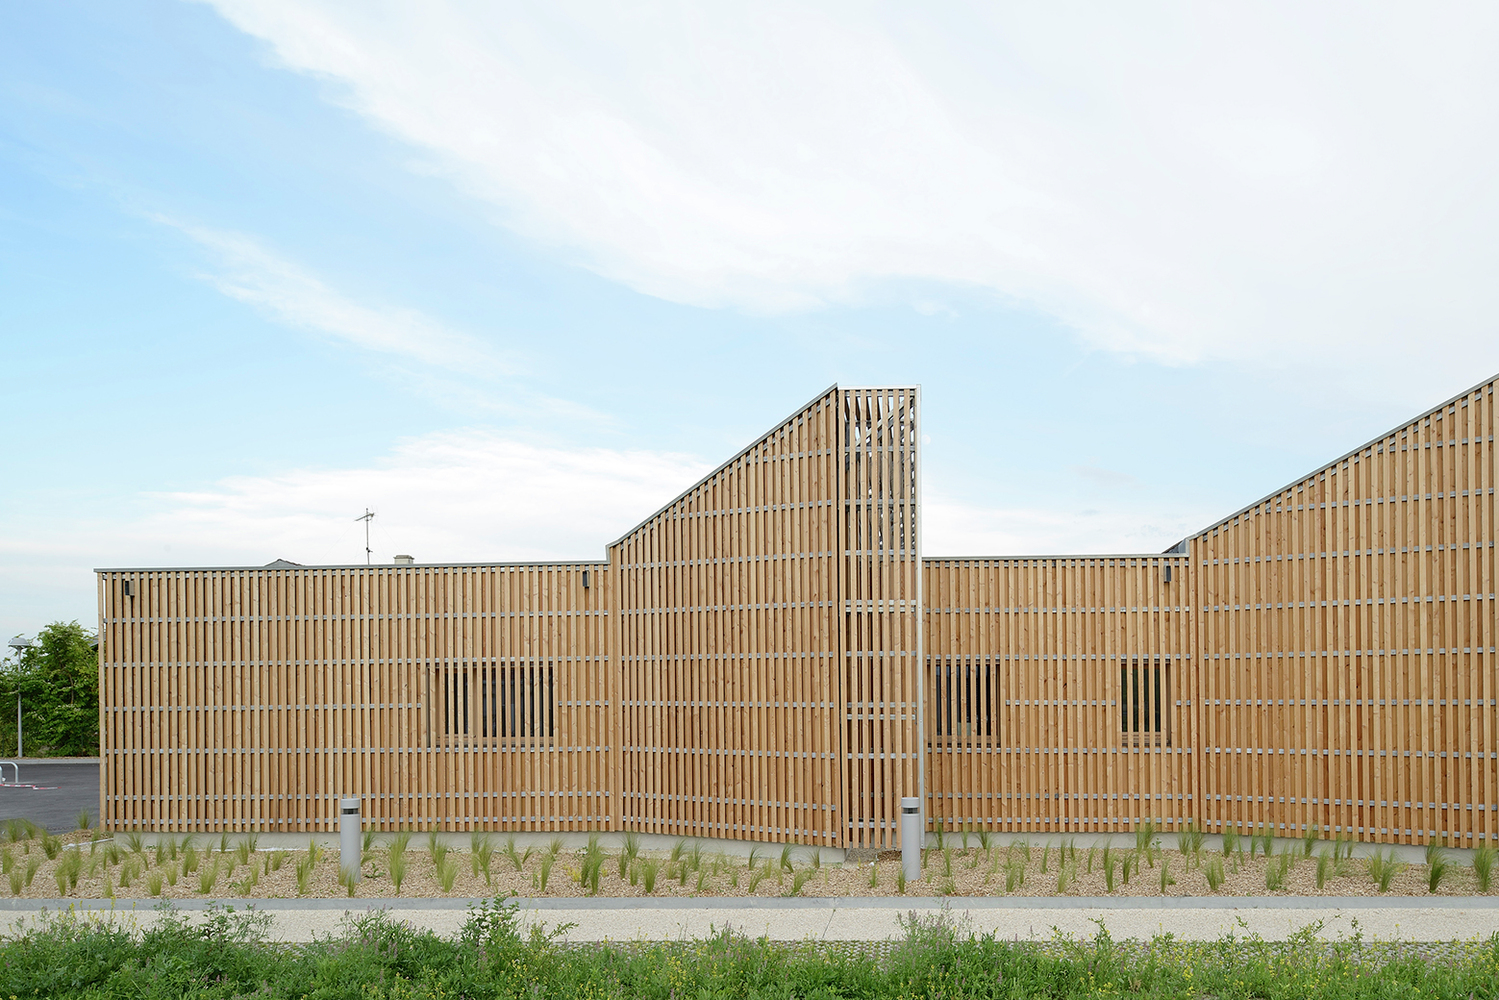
20	644
349	837
910	837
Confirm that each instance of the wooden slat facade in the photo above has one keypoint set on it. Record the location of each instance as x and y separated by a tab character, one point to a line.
1060	693
770	658
727	648
1347	634
880	602
252	699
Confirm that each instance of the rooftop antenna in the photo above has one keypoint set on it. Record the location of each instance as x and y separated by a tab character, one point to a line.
369	516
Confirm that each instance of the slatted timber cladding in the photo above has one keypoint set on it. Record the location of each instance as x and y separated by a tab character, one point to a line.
1348	631
752	662
1059	693
881	605
254	698
729	646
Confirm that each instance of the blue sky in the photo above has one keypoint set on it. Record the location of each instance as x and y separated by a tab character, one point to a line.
513	278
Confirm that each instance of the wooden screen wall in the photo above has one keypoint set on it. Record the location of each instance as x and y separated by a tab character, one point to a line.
1059	693
747	665
450	697
881	604
1347	630
728	647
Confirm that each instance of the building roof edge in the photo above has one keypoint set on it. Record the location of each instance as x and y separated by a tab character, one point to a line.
1343	457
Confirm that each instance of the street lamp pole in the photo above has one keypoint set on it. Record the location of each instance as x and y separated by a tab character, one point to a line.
20	644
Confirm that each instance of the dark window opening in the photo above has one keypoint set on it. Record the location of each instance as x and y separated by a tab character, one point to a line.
965	699
1145	702
493	703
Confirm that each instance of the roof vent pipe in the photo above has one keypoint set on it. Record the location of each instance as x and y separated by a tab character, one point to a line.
405	561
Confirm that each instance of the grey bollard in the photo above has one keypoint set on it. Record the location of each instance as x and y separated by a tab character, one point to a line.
350	838
910	837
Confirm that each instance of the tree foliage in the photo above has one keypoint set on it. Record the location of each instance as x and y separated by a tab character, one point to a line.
58	681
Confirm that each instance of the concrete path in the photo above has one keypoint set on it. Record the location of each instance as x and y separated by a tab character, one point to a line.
1272	918
62	789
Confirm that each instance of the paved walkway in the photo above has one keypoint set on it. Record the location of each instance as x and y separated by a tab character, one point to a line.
1272	918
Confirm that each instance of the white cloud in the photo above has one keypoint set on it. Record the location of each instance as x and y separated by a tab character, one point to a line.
457	496
954	528
453	496
294	296
1284	184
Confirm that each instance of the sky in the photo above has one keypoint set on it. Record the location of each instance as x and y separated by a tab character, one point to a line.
513	276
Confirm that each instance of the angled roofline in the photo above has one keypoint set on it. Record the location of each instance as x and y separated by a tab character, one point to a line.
561	563
1340	459
1058	555
732	459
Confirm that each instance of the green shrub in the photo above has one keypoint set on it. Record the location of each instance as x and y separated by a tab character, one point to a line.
208	875
447	873
480	848
1014	874
436	849
1483	866
395	863
1213	871
1145	836
305	867
1166	877
1437	865
544	872
1383	870
67	955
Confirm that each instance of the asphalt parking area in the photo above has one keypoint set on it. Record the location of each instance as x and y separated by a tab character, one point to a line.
64	788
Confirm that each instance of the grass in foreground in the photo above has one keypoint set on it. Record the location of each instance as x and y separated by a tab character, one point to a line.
371	956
